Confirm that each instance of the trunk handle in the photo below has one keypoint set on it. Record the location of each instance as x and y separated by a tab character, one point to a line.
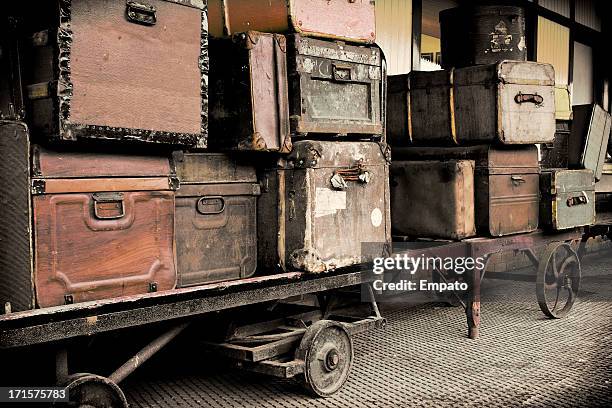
202	200
356	173
141	13
533	98
583	198
102	198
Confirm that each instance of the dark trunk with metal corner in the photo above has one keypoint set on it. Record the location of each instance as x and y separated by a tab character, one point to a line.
320	204
336	89
16	280
249	99
433	199
107	69
216	234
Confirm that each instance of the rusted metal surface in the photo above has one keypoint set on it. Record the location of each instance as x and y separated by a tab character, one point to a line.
588	142
321	212
145	353
87	390
216	234
568	198
433	198
137	107
64	322
16	280
79	221
473	105
336	89
482	35
350	20
249	102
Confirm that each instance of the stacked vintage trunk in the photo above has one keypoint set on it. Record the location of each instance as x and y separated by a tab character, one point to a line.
107	191
300	85
466	137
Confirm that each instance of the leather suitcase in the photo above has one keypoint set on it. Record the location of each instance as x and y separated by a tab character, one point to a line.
216	234
433	199
568	198
249	100
507	183
482	34
16	286
335	89
588	142
117	70
321	204
103	226
349	20
511	102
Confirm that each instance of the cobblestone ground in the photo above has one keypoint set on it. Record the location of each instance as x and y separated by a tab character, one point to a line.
423	358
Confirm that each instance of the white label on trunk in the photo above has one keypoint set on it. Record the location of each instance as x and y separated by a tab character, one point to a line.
376	217
328	202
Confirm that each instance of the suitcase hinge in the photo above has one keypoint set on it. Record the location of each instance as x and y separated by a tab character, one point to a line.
38	187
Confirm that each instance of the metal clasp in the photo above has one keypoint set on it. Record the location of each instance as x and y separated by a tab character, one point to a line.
203	203
108	206
141	13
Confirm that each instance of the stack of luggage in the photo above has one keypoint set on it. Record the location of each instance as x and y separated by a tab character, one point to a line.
140	155
465	138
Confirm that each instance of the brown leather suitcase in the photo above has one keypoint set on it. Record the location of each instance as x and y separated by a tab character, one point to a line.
249	100
433	199
511	102
350	20
321	204
103	226
16	281
116	69
336	89
216	234
507	183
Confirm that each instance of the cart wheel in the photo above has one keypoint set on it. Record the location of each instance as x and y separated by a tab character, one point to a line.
93	391
327	352
558	280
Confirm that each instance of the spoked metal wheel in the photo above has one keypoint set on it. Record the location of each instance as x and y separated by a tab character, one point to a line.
93	391
558	280
327	352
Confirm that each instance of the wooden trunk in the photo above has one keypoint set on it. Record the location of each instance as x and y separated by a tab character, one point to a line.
117	70
318	208
482	35
510	102
568	198
589	136
16	280
349	20
216	234
249	101
103	226
335	89
433	199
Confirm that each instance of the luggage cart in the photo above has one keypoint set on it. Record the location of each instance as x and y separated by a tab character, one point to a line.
558	269
316	346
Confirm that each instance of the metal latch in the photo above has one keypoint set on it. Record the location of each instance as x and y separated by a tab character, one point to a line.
211	205
141	13
517	180
108	206
341	72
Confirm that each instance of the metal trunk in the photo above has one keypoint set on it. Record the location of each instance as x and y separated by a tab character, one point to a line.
568	198
589	136
249	101
103	226
511	101
335	89
321	204
108	69
16	280
433	198
216	236
482	35
349	20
